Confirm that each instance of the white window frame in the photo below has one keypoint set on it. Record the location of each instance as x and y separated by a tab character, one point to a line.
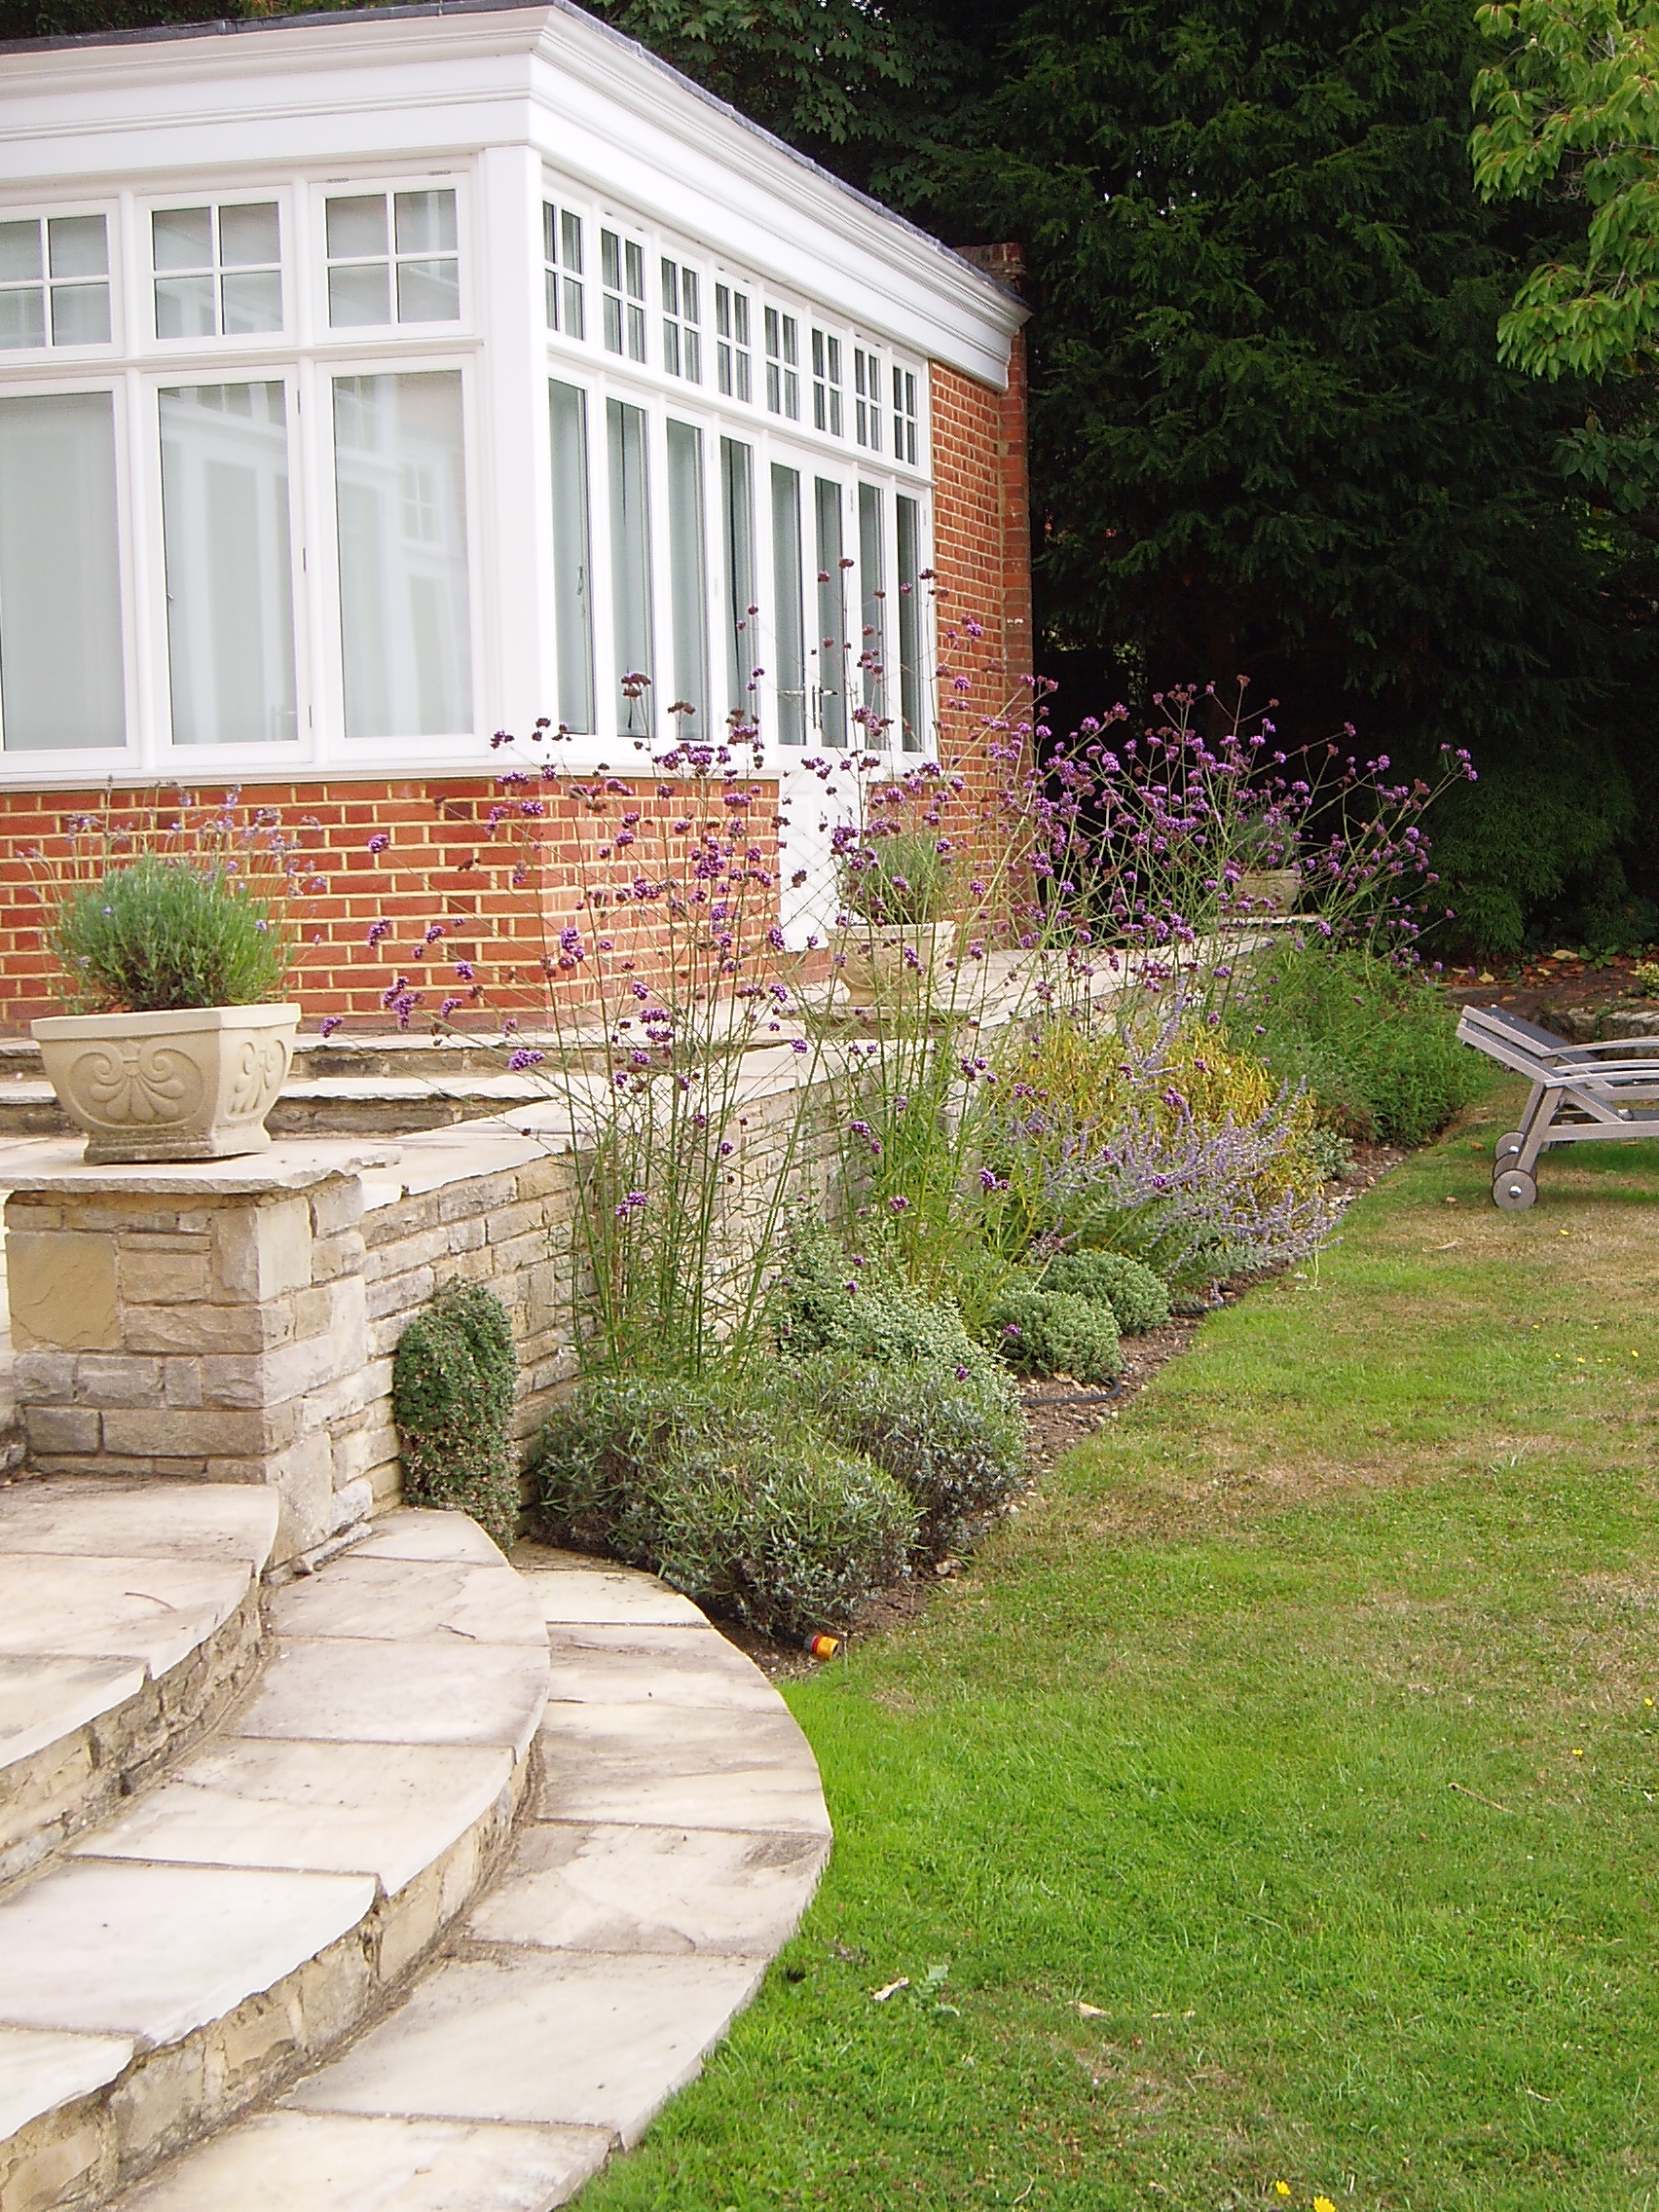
75	765
352	337
68	357
282	341
349	754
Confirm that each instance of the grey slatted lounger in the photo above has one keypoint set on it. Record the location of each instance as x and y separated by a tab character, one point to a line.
1580	1094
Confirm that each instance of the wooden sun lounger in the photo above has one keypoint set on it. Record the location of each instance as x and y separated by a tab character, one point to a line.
1580	1094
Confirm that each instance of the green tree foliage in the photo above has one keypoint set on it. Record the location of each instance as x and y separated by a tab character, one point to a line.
1270	430
1571	110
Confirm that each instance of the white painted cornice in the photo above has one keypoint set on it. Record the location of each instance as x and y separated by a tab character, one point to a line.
398	85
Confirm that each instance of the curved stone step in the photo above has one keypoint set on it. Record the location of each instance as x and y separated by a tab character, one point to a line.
129	1621
675	1835
244	1914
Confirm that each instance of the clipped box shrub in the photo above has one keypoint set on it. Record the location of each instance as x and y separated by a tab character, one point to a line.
956	1442
1136	1295
453	1379
731	1498
827	1303
1055	1332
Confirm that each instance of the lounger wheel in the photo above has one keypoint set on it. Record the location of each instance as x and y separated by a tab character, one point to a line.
1509	1147
1513	1189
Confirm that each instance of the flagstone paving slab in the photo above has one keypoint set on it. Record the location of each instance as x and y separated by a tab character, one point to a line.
155	1610
328	2162
595	1596
40	2068
640	1665
154	1950
410	1598
537	2036
634	1890
419	1532
104	1516
678	1768
360	1692
43	1698
381	1809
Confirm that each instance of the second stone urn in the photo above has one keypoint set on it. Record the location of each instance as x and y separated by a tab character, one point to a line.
190	1083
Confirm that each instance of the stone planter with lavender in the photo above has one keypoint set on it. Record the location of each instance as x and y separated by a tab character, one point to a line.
173	950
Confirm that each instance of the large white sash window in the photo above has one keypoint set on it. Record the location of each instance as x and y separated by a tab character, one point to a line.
228	563
405	611
61	684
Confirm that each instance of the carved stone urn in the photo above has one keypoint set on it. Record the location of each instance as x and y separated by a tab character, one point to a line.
191	1084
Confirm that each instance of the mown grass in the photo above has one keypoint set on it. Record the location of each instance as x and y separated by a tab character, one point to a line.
1303	1729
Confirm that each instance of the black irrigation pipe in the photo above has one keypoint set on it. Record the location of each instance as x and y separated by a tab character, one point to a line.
1082	1397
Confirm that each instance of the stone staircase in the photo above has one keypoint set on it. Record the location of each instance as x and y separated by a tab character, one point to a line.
414	1884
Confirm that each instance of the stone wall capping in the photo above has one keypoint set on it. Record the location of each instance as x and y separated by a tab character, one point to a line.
55	1171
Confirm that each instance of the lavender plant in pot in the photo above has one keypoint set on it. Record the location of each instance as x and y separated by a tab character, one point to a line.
173	955
893	891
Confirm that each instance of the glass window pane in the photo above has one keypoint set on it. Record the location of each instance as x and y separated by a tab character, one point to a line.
689	580
359	295
184	306
20	250
230	584
425	222
428	291
873	640
572	604
76	245
249	237
80	314
23	317
183	237
405	609
571	232
356	226
61	650
253	301
831	616
909	517
787	622
737	537
630	563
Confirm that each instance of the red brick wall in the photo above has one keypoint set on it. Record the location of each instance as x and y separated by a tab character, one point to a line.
500	892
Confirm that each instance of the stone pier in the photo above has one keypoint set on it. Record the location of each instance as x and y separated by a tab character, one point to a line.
202	1323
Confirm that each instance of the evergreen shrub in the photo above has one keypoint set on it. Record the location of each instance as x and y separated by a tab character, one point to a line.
1136	1295
956	1442
1377	1045
1055	1332
159	935
452	1392
726	1495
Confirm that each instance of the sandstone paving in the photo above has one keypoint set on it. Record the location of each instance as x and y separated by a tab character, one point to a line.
42	2068
405	1600
602	1596
153	1950
233	1522
448	1690
288	2161
634	1664
674	1767
43	1698
381	1809
631	1889
422	1534
538	2037
155	1610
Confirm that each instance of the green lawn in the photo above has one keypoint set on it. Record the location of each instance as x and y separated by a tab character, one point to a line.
1305	1727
